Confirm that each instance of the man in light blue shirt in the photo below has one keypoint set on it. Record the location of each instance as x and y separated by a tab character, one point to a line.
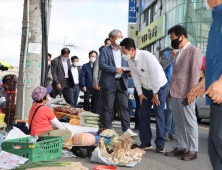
213	84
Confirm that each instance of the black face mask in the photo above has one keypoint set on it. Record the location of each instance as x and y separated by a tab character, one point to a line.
175	43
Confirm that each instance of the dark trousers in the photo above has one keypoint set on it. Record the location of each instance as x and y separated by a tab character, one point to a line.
215	136
74	91
98	103
144	127
65	91
108	98
137	113
89	93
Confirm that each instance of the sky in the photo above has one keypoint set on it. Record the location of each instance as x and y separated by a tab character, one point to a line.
86	23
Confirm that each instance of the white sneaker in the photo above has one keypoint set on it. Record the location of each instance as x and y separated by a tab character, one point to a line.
129	132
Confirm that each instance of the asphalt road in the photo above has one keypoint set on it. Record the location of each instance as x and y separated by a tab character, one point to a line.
157	161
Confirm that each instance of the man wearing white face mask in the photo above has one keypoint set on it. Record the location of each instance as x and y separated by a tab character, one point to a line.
76	73
151	84
213	83
114	83
86	82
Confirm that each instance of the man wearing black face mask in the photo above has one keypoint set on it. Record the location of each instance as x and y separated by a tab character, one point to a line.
186	73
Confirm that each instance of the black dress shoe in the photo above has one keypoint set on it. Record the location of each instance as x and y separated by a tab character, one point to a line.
136	129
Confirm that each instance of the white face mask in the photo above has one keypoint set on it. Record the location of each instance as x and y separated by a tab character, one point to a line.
64	58
92	60
126	57
75	64
118	41
207	5
49	62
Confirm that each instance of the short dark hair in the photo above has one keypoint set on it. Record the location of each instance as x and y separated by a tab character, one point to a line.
128	43
93	52
178	30
100	48
50	55
74	57
107	39
5	79
65	51
40	101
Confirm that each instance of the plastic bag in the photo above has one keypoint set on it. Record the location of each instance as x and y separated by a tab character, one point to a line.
88	114
83	152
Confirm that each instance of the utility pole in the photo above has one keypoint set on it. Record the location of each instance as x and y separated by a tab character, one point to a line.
64	43
30	56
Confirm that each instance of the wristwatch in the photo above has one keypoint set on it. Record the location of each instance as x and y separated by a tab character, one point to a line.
154	94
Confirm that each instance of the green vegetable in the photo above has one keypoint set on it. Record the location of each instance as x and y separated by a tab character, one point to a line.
108	148
43	164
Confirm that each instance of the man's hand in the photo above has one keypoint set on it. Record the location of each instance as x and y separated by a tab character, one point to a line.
190	98
129	74
48	76
59	86
155	100
96	87
120	70
198	89
84	89
215	91
174	52
141	98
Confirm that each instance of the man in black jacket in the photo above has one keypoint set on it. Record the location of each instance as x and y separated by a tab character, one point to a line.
62	75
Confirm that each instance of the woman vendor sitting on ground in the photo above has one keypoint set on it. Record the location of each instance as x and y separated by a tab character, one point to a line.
41	122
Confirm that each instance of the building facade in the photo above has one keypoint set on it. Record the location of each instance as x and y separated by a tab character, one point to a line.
156	17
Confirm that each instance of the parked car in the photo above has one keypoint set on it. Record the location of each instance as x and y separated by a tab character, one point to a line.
202	110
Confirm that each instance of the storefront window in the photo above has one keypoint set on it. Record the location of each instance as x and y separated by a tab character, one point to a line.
191	14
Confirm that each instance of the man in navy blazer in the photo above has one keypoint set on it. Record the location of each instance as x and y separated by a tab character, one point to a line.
87	82
76	73
114	83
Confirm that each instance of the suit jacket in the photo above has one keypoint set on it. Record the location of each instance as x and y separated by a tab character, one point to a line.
96	72
186	72
80	74
58	73
49	80
108	67
87	76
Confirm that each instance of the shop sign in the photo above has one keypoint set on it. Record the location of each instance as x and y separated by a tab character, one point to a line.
132	11
152	32
132	31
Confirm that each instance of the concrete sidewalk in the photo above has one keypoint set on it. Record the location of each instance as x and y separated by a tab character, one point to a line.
145	164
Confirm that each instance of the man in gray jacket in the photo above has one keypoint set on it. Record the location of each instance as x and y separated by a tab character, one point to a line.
96	77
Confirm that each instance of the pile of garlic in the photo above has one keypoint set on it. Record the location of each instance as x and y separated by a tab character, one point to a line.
122	152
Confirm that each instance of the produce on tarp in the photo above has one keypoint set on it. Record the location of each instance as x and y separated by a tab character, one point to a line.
89	119
122	152
51	165
74	122
109	133
83	139
68	109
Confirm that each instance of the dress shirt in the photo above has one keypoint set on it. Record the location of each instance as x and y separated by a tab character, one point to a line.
180	51
75	74
118	59
65	67
147	72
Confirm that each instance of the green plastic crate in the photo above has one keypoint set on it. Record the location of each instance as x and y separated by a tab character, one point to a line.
46	150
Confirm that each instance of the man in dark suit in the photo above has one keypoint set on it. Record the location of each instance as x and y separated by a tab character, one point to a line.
114	83
62	75
87	82
76	73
